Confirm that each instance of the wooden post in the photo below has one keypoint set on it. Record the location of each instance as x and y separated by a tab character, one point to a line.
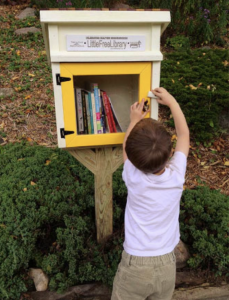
102	162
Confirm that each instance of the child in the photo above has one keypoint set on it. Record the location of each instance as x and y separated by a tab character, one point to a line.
148	266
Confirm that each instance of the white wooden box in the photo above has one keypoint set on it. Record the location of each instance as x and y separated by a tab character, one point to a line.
121	36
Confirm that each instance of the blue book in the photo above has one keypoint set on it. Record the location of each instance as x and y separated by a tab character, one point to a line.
97	107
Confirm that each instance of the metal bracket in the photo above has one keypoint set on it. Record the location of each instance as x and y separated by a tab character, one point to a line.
63	132
60	79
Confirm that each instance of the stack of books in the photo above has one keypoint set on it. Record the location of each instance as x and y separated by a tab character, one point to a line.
94	112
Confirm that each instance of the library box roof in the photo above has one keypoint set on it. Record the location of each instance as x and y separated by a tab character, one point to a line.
103	35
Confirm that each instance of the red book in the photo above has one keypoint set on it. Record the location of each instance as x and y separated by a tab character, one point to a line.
109	114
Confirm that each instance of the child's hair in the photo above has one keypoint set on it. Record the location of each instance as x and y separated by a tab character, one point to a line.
148	146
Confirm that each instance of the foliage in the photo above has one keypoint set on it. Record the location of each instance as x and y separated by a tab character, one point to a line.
202	21
68	3
178	42
47	220
204	221
198	80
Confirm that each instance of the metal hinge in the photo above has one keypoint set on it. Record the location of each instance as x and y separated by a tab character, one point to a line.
63	132
60	79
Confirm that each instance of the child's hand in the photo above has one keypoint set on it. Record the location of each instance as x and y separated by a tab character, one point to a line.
136	113
163	96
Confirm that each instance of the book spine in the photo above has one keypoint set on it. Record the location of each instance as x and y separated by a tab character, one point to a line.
116	121
91	112
84	113
103	121
94	112
112	116
97	108
79	111
108	111
88	112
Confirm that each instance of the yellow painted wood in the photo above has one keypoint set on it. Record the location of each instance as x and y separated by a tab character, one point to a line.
80	69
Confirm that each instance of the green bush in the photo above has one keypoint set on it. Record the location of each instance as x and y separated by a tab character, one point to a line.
204	221
198	79
47	220
68	3
202	21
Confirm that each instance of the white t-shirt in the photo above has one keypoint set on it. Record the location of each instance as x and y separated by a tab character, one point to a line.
153	206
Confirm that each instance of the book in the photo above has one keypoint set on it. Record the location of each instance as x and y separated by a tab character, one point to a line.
107	111
103	115
79	111
93	112
118	127
84	112
97	107
88	112
110	112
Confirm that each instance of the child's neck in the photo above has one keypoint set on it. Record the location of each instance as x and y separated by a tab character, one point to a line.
160	172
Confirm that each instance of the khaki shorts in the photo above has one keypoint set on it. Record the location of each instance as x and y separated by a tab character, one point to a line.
140	278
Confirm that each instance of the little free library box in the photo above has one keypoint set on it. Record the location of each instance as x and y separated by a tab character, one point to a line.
102	62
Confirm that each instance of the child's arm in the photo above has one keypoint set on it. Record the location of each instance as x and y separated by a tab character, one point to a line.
181	126
136	115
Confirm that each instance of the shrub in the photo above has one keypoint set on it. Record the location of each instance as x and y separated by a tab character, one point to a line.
69	3
47	220
204	221
202	21
198	80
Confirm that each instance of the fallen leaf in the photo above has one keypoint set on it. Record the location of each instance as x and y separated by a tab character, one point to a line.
28	97
192	87
17	89
173	80
200	84
178	62
226	163
29	140
31	75
5	115
18	52
25	189
47	162
174	137
32	183
15	78
225	63
208	87
203	163
204	53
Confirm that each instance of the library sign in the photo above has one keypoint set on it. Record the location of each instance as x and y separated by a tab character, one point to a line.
105	43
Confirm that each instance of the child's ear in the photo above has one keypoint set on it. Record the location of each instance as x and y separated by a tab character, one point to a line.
171	153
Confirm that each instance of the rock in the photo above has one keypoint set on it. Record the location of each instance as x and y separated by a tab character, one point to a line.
94	291
26	30
121	6
6	92
201	293
224	120
28	12
40	279
182	255
189	279
206	47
